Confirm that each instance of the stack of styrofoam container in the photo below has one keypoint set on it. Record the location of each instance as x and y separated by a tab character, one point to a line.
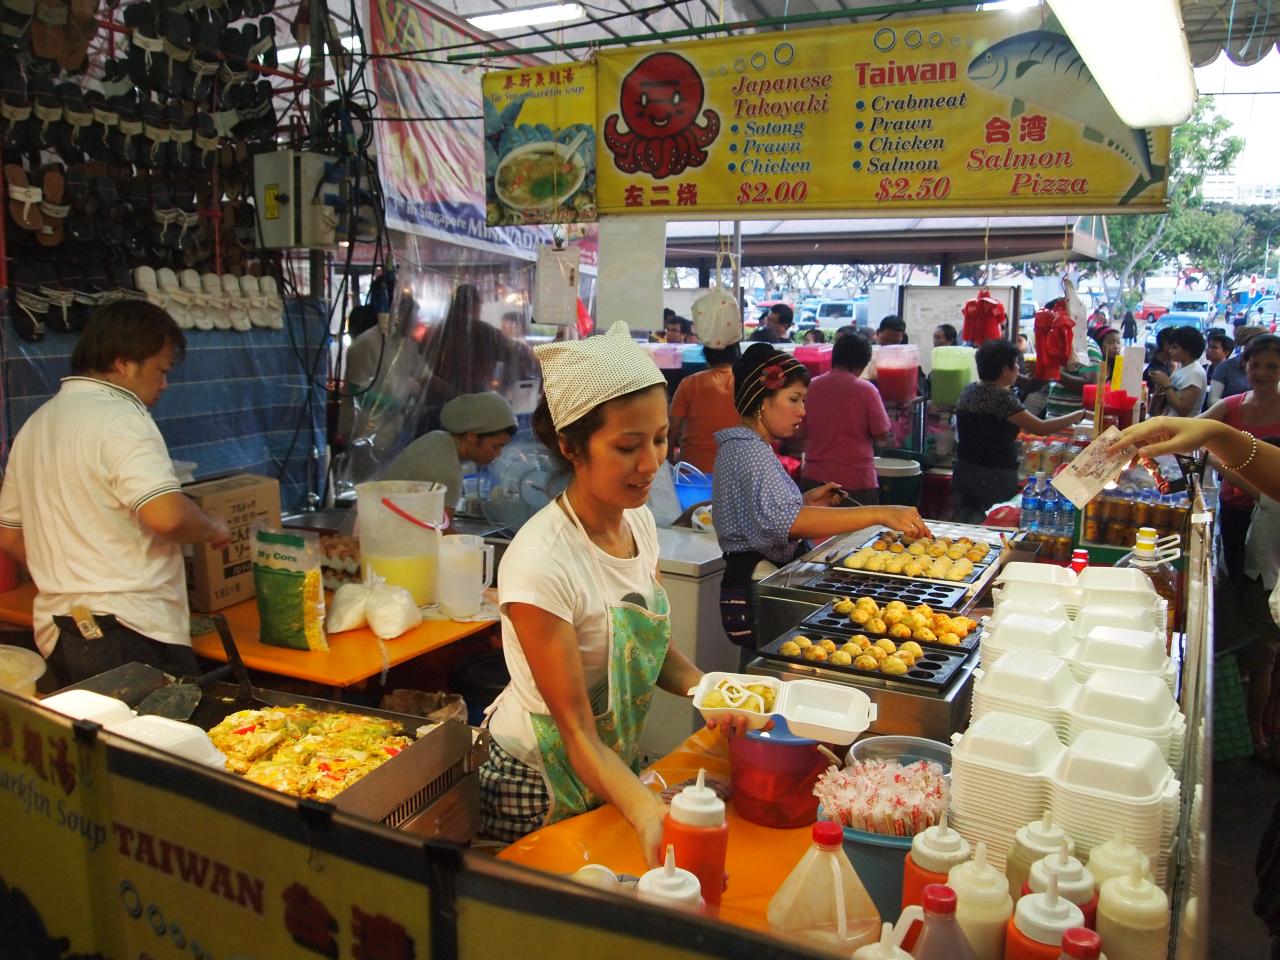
1119	596
1042	687
1026	631
999	778
160	733
1007	770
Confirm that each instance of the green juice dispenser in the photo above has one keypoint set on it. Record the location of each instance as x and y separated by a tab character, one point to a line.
954	369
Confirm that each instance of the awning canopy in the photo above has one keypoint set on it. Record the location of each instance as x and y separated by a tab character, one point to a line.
924	240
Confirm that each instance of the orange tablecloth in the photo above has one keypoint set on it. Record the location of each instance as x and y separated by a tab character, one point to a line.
352	656
758	860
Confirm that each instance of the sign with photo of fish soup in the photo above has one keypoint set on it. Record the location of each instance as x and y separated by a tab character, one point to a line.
988	113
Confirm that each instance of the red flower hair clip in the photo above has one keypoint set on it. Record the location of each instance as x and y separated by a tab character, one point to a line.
774	377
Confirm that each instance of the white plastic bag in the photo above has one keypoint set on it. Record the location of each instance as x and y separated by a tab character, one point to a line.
390	610
663	502
346	610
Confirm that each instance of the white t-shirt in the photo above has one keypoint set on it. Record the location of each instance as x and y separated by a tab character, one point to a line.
80	469
549	565
1189	375
1262	545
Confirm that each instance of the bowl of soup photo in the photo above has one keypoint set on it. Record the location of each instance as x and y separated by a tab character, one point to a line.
539	176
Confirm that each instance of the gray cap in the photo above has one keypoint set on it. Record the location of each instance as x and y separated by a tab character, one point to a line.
477	413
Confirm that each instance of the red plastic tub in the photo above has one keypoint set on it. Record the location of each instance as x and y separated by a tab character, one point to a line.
773	774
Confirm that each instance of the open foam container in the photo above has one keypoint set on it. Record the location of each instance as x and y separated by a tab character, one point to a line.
830	712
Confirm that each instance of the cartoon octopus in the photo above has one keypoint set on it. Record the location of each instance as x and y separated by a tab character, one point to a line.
660	101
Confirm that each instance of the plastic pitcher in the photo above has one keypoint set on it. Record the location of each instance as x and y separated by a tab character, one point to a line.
954	369
466	569
400	522
823	899
897	372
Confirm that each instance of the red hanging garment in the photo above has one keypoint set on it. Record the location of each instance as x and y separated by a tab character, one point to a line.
984	319
1053	328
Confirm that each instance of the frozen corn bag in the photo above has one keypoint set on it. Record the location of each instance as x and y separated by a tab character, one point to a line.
286	574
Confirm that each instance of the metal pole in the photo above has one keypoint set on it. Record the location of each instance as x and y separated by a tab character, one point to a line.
816	16
317	261
737	262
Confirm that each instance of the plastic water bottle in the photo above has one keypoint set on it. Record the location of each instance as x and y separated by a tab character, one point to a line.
1032	503
1063	515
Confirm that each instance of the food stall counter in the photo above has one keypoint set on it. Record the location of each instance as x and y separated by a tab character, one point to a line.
759	858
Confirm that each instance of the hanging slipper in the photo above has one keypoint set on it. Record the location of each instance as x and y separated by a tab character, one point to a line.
215	301
55	212
82	27
24	199
15	23
116	81
93	291
109	218
198	306
49	29
255	303
175	32
155	135
176	300
77	117
265	49
15	111
47	109
28	313
275	304
180	137
204	61
237	304
97	138
235	50
60	297
146	48
207	142
124	139
145	281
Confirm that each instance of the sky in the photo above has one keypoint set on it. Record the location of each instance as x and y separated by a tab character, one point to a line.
1253	115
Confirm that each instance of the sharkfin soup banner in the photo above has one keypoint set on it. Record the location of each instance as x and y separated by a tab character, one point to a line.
989	113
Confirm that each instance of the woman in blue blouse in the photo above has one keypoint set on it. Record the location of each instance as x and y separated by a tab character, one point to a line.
759	512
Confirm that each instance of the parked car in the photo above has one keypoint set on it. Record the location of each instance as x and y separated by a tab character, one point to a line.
1265	312
1149	312
1194	302
1174	318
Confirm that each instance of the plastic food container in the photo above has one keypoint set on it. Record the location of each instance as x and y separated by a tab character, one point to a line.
1122	649
87	705
667	356
1029	677
1017	745
1021	572
1115	578
772	774
184	740
1128	768
20	668
829	712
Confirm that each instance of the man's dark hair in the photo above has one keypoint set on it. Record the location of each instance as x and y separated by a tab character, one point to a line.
1188	338
1223	341
845	331
784	313
851	352
893	322
1261	344
667	314
686	325
995	357
717	357
126	330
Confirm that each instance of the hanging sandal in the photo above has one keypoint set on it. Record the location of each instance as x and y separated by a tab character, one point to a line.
15	23
176	300
49	29
237	305
30	310
198	308
215	301
15	110
274	304
60	297
82	27
24	199
47	109
55	212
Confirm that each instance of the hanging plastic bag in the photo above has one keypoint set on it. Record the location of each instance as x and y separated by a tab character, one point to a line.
286	575
347	609
984	319
390	610
717	318
663	502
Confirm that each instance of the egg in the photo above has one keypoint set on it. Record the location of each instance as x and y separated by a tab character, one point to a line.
790	649
912	648
804	643
840	659
827	645
893	666
867	662
888	646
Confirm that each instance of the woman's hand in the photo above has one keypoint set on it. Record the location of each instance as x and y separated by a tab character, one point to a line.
647	822
1171	435
733	726
827	495
1160	378
905	519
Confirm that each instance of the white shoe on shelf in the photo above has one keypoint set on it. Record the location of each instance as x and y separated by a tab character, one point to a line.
275	305
176	300
237	306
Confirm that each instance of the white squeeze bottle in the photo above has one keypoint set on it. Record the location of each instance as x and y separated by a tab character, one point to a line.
983	904
887	948
1115	857
668	884
1033	842
1075	882
822	899
1133	918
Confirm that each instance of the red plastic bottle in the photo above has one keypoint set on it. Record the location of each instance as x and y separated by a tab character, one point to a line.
695	827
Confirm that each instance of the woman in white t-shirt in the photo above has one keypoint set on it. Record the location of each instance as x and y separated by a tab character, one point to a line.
585	626
1183	390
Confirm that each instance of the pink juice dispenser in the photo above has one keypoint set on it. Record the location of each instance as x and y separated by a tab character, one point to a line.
897	372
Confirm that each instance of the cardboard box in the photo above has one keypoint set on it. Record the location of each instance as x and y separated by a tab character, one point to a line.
219	578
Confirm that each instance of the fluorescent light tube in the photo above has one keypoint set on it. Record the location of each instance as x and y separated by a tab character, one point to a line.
528	16
1137	52
294	54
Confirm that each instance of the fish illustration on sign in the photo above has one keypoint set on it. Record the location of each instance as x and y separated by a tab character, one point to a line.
1043	67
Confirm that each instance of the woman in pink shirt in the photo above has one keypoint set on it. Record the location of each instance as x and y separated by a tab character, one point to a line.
845	418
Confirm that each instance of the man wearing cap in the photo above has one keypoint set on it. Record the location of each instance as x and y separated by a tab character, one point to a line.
476	427
703	404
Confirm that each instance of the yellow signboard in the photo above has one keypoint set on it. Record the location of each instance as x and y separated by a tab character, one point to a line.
986	112
540	145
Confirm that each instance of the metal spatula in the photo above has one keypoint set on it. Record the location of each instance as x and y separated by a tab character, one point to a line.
177	701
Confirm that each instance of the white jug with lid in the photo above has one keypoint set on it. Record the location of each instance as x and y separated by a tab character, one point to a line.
466	569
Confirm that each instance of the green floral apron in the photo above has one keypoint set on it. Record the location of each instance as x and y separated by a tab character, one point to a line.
638	642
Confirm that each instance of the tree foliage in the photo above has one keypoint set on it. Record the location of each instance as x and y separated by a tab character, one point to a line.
1141	243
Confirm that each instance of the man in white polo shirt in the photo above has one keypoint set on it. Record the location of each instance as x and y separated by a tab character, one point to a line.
91	504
